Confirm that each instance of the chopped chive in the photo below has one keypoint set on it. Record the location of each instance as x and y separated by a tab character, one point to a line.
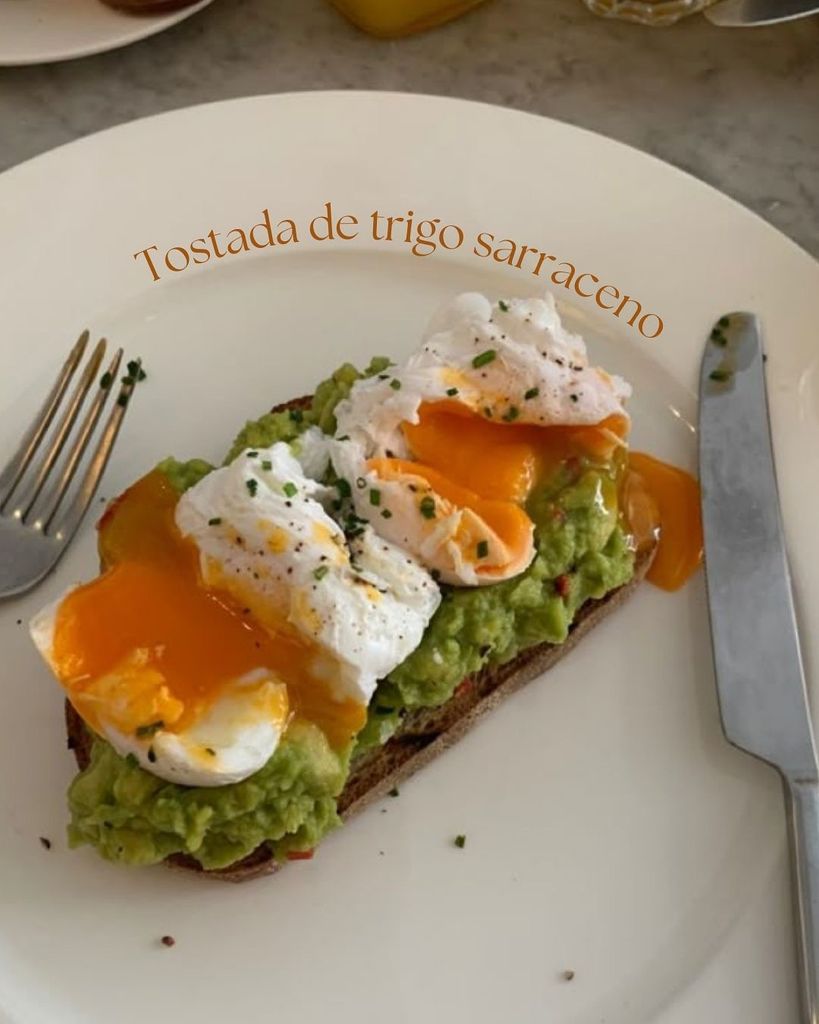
252	487
724	321
253	455
531	393
343	487
360	483
460	842
452	392
394	791
720	375
216	521
503	305
718	338
106	380
483	548
135	371
267	465
143	731
484	358
386	514
321	572
427	507
383	376
395	384
296	415
122	400
375	497
511	414
344	437
290	489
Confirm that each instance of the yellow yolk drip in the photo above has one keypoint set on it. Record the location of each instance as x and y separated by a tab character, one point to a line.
506	519
659	496
147	641
491	466
502	460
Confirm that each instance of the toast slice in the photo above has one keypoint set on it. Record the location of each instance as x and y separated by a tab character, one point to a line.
423	733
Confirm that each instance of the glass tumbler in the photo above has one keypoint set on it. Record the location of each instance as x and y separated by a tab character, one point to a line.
648	12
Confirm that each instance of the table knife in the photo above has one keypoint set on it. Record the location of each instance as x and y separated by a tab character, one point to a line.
747	13
760	679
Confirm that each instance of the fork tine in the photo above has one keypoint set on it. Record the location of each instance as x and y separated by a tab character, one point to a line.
55	497
16	466
64	427
66	525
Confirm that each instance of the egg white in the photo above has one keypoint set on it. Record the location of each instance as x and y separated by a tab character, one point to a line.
533	350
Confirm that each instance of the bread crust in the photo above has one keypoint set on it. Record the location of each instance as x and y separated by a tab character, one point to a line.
422	734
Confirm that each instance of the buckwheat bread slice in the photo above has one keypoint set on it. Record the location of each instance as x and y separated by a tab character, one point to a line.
422	735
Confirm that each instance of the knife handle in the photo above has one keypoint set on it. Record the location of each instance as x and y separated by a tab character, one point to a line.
802	799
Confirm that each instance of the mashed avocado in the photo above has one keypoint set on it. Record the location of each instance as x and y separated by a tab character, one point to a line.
582	552
135	817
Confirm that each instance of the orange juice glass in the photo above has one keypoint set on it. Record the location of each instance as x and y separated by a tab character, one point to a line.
390	18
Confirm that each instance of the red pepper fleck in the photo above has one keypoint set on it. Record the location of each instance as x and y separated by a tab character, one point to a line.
463	688
563	585
300	854
168	940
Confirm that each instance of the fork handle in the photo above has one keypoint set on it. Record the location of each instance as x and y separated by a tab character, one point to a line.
802	802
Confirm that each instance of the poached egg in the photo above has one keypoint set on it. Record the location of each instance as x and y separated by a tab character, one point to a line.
443	452
224	613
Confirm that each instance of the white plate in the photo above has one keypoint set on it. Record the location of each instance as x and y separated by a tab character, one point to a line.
611	831
44	31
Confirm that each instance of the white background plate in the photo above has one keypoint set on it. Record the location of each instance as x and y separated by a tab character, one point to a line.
43	31
610	829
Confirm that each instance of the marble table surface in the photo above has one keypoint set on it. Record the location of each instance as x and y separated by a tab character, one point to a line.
736	108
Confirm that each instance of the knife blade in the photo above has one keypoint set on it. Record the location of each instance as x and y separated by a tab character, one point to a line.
748	13
760	678
756	648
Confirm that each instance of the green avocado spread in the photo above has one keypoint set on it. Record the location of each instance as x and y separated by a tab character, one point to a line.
134	817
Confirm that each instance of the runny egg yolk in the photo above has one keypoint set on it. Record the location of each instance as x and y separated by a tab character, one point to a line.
149	626
491	466
675	496
488	467
502	460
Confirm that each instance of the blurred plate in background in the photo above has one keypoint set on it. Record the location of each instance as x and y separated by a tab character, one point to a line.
44	31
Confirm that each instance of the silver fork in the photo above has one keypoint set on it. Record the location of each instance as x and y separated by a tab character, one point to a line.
36	524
